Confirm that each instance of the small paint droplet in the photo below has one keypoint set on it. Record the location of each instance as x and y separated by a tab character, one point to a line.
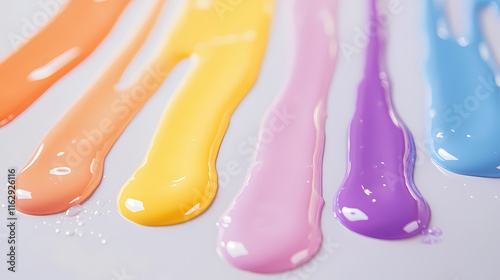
57	230
433	231
104	241
437	232
70	233
430	240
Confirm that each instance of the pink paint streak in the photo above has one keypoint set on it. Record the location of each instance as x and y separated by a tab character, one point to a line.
273	224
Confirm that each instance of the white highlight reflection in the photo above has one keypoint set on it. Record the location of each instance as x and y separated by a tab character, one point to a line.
299	256
354	214
60	171
445	155
34	158
236	249
134	205
195	208
22	194
54	65
411	227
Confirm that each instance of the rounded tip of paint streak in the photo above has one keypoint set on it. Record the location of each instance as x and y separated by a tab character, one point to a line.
267	245
43	205
394	218
153	203
468	163
40	192
270	259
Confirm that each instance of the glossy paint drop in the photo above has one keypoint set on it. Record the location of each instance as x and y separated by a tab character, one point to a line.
67	40
68	165
177	180
378	197
463	103
273	224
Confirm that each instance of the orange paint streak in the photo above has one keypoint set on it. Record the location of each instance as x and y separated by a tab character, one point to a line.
66	41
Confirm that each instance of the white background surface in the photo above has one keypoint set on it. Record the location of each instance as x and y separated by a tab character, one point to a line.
466	209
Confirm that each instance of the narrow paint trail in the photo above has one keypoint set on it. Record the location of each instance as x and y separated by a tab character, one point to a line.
273	224
463	103
378	197
59	47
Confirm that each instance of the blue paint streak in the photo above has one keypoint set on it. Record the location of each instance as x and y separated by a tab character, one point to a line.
463	105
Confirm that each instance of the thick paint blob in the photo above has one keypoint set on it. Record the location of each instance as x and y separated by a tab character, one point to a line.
273	224
378	197
68	165
177	180
463	105
67	40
